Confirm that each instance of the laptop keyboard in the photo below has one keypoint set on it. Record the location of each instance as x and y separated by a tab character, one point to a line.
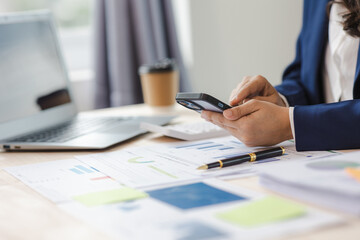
70	130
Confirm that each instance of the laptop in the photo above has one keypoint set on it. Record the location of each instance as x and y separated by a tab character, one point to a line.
37	109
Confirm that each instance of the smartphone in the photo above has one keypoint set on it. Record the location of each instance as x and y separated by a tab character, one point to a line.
200	101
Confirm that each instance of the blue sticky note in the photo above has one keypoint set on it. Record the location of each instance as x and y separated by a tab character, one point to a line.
193	196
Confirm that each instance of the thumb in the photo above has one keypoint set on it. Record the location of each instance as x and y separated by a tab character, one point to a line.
242	110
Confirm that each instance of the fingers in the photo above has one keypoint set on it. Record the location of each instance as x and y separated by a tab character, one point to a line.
248	88
240	111
234	92
218	119
261	98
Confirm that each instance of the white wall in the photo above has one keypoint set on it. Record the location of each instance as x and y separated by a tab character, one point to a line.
234	38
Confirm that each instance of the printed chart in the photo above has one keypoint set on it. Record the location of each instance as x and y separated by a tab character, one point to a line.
62	180
206	209
177	162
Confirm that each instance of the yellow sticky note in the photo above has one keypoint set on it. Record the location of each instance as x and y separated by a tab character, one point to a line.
110	196
263	211
354	172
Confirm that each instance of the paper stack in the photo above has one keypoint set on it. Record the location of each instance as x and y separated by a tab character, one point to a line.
206	209
329	182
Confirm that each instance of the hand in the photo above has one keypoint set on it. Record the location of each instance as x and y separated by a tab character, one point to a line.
255	123
256	87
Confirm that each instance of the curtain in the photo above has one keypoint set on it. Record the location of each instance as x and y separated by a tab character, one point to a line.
129	33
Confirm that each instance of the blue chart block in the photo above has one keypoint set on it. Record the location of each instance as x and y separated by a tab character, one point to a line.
85	169
193	145
94	169
211	146
193	195
226	148
77	171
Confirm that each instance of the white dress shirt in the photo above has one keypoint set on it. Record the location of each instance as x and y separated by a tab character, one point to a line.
340	62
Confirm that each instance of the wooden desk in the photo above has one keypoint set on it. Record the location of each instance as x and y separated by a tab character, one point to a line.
24	214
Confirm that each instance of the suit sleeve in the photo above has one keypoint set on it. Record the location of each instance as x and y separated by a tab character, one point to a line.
291	86
328	126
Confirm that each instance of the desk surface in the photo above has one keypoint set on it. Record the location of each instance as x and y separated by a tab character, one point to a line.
26	214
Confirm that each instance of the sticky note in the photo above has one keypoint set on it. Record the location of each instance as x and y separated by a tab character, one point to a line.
263	211
353	172
109	196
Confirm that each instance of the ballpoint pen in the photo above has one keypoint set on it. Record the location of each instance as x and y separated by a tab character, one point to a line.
251	157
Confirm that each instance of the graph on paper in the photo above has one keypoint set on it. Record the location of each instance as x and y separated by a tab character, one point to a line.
61	180
176	162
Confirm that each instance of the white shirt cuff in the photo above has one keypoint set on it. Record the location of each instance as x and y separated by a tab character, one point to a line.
291	118
285	100
291	114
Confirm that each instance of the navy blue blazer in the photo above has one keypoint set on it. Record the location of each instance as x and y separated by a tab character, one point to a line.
318	126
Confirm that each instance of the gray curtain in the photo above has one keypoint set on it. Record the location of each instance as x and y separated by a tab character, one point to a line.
129	33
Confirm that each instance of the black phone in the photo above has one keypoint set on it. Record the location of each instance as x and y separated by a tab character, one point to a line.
200	101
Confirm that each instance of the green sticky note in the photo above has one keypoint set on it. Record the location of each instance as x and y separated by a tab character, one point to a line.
263	211
110	196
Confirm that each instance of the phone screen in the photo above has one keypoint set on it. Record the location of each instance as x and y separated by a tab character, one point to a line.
201	101
209	106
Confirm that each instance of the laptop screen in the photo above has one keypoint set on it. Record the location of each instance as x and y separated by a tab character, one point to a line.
32	78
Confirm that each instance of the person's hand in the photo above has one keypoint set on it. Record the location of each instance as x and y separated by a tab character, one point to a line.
255	123
255	87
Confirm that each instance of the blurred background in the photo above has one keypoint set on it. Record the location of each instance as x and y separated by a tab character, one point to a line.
220	41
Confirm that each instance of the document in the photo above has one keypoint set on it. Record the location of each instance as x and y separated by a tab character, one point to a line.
177	162
186	212
329	182
195	210
68	180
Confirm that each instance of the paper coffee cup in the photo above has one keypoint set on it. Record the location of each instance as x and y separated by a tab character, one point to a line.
159	82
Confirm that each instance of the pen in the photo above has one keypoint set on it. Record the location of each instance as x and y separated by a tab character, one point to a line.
251	157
